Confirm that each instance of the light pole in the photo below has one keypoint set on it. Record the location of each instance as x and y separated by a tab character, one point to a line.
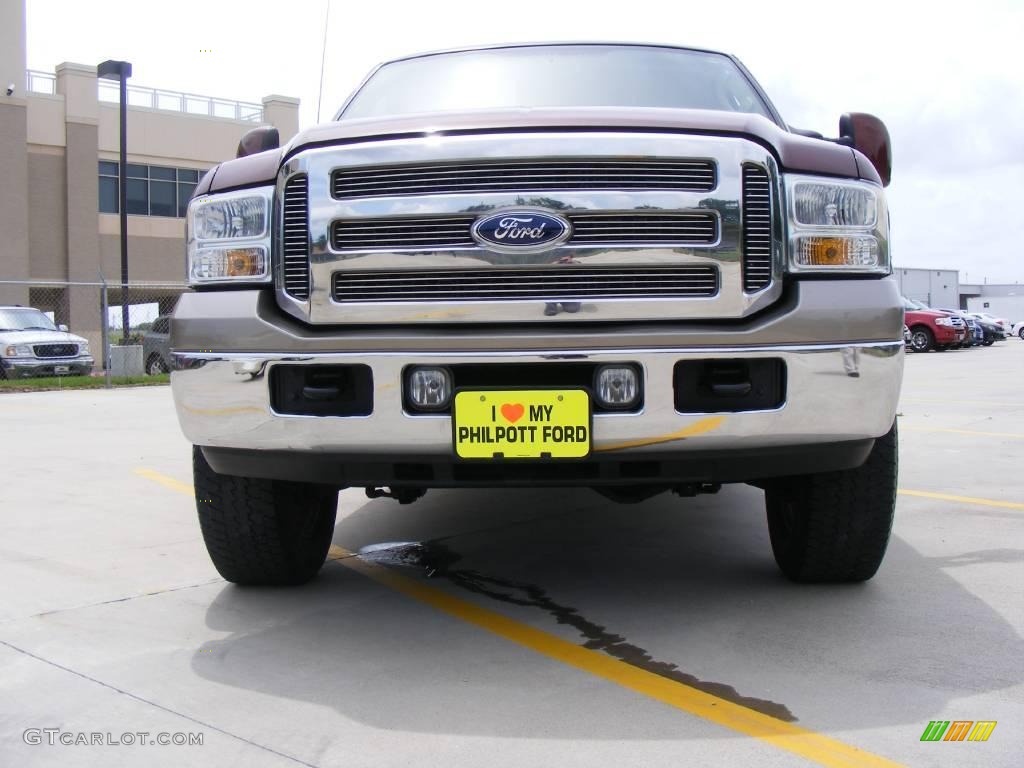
121	71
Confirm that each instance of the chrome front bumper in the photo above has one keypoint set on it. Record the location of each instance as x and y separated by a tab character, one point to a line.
835	393
27	366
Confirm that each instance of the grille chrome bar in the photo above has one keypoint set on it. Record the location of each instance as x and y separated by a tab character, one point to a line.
756	236
295	241
565	284
524	176
611	228
684	229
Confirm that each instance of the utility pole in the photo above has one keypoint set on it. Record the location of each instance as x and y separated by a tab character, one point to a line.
121	71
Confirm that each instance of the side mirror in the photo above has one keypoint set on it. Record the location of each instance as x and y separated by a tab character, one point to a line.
868	135
62	327
258	140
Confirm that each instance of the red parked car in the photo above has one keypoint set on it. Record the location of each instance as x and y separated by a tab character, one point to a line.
931	329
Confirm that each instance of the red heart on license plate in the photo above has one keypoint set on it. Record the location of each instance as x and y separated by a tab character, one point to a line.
512	411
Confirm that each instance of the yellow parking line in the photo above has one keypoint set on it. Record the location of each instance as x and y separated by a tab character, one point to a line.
164	480
978	433
962	499
816	747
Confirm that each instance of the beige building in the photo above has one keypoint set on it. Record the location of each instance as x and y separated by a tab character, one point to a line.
59	162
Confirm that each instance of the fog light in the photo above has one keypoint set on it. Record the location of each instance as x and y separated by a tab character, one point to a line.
617	386
430	389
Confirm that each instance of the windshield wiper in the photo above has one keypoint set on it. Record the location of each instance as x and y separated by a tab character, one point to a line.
36	328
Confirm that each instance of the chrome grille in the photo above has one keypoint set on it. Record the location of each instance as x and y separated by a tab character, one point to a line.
523	176
757	228
562	284
414	232
55	350
607	228
295	237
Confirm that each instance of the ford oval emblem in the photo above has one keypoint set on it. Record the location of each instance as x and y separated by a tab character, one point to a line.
521	231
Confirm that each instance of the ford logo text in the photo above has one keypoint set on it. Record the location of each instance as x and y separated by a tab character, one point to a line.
522	230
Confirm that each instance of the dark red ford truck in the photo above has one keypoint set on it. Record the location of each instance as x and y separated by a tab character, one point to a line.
599	265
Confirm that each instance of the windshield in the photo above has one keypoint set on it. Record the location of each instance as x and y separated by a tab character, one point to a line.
24	319
557	76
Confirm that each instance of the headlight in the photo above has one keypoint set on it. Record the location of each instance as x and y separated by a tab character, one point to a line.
83	348
229	237
943	321
238	217
18	350
836	226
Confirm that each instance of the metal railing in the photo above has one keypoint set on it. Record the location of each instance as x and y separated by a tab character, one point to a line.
40	82
177	101
157	98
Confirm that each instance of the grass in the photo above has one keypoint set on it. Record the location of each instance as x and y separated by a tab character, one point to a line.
80	382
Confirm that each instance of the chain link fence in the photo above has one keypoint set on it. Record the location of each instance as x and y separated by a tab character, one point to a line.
125	328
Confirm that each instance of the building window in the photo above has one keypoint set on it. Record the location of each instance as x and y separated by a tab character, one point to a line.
151	190
108	187
187	181
137	196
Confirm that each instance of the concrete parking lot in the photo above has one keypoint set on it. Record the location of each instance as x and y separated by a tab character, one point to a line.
509	628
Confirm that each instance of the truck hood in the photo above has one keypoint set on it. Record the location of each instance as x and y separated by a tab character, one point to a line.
794	152
38	337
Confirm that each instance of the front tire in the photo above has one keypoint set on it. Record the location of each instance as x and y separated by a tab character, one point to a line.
835	526
263	532
921	339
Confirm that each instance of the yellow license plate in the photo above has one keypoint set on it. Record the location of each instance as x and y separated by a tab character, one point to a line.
521	424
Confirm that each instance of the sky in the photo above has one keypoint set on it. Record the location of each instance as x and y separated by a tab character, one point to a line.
947	79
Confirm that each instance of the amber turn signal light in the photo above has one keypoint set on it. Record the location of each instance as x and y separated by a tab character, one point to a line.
859	251
244	262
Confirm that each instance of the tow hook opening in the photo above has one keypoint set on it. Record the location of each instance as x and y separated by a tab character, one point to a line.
729	385
321	390
401	495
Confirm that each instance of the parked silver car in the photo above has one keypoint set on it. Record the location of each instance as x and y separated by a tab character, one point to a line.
31	345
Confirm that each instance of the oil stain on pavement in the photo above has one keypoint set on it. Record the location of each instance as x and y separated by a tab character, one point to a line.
433	559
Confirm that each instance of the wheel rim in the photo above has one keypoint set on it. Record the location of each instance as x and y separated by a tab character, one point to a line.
919	341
